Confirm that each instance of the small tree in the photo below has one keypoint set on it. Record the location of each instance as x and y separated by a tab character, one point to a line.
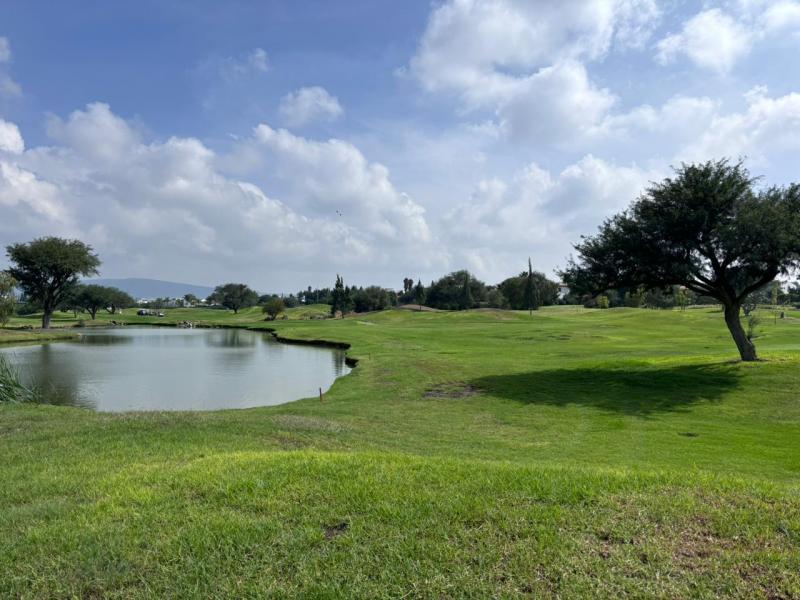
341	299
118	299
681	297
419	293
48	267
235	296
707	229
273	307
91	298
191	300
603	302
8	299
466	293
531	291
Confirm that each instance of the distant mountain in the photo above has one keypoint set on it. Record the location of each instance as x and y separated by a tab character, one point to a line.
154	288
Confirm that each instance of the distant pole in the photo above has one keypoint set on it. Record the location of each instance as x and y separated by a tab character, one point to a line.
320	395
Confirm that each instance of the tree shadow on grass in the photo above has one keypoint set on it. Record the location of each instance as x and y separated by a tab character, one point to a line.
637	390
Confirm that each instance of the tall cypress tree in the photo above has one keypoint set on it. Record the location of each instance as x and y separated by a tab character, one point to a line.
466	293
531	291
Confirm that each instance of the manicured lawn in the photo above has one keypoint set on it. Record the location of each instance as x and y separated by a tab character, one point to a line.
619	453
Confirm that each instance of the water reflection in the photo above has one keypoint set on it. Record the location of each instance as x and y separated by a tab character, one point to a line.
176	369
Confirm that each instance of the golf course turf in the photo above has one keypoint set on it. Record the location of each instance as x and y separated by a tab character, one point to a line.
572	453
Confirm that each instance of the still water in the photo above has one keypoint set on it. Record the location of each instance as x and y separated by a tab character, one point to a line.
175	369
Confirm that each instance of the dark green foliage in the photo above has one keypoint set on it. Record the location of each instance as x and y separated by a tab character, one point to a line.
707	229
515	289
341	301
456	291
466	293
495	298
273	307
419	293
8	299
234	296
372	298
92	298
190	300
315	296
48	267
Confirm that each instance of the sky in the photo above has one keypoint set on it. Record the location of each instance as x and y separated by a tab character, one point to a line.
279	143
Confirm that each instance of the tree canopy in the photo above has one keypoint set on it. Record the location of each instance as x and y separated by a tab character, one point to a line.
708	228
8	299
273	307
456	291
92	298
48	267
234	296
529	290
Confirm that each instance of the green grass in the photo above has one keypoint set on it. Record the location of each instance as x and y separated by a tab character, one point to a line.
577	453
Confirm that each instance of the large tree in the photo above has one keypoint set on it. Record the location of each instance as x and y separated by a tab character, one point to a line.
48	267
234	296
709	229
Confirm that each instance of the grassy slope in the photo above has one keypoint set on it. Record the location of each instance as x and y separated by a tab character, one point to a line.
602	453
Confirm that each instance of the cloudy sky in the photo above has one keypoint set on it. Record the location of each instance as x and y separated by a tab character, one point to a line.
282	142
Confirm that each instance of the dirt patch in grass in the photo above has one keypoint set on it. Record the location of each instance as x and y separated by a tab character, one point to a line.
452	391
331	531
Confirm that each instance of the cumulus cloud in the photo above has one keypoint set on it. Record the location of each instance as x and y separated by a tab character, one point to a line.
554	102
539	213
10	138
717	40
168	207
310	104
782	15
767	127
711	39
523	60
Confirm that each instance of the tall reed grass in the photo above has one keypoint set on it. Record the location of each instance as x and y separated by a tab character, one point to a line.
11	387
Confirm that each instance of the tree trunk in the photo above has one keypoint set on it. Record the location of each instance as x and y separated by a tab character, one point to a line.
46	318
747	349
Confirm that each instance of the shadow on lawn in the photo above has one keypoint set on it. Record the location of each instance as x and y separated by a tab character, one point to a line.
638	390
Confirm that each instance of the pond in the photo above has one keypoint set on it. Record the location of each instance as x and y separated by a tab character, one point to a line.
137	368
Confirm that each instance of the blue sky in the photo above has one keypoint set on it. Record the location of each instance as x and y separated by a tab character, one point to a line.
279	143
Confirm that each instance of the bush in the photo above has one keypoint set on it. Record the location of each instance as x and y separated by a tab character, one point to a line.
603	302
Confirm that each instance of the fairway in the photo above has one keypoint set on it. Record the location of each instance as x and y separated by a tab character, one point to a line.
574	452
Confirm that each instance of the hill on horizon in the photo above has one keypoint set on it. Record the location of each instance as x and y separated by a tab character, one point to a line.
154	288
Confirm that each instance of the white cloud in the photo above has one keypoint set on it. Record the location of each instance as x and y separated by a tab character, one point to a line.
711	39
10	138
310	104
782	15
540	214
768	127
554	103
167	208
8	87
334	180
522	60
